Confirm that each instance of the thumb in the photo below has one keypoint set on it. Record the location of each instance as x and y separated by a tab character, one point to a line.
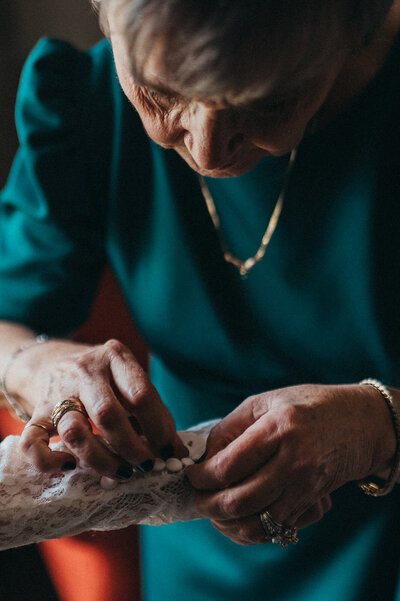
231	427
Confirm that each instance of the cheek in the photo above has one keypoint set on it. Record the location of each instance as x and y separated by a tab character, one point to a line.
164	128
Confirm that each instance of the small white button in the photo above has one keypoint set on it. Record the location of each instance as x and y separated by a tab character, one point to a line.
108	483
187	461
174	465
159	465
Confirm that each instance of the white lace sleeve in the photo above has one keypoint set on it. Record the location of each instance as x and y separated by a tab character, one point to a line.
36	506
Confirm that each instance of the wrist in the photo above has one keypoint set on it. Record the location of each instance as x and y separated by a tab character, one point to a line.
26	375
371	487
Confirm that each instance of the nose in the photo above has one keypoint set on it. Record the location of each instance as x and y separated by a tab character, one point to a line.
212	136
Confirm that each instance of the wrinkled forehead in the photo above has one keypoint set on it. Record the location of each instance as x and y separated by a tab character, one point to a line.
234	62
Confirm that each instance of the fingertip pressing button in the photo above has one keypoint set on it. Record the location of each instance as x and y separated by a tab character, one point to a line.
124	472
146	466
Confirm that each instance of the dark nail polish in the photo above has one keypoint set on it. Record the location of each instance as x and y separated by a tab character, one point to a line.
166	452
204	455
70	465
124	472
146	466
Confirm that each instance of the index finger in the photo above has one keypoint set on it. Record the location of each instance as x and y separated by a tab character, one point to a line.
235	423
141	399
239	459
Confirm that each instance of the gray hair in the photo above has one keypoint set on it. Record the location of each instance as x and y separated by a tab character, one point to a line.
242	49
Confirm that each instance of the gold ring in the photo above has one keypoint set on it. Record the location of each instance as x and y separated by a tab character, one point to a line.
277	532
37	425
65	406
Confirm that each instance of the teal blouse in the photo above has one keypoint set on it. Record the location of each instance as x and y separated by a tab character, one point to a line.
88	187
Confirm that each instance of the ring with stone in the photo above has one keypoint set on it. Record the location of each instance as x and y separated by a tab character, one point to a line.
277	532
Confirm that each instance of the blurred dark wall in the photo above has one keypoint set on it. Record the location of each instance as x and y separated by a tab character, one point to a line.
22	23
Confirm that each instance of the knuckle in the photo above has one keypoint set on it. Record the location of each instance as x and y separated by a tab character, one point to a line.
114	348
27	445
38	460
230	504
84	365
105	415
289	417
259	404
74	434
142	394
221	472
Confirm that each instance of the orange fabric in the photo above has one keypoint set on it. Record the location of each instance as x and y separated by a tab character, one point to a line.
110	318
96	566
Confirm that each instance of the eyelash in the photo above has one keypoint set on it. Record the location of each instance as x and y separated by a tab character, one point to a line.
166	101
162	99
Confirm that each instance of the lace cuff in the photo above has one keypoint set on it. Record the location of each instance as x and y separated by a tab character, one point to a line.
36	506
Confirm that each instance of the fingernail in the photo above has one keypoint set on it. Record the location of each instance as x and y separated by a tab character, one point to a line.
204	455
70	465
124	472
146	466
166	452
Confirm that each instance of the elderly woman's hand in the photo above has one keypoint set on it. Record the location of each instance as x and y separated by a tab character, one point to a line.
286	451
118	397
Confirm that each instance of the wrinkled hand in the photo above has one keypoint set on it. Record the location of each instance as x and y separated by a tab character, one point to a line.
286	451
119	399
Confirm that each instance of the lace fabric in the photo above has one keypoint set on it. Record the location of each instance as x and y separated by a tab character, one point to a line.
36	506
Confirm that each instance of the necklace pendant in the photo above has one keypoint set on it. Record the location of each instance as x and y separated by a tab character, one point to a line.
244	272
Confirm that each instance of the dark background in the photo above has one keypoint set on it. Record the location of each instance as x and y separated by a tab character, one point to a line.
22	23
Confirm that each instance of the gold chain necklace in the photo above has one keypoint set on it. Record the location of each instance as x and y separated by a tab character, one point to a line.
245	266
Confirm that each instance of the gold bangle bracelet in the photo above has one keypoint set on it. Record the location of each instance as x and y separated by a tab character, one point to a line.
370	488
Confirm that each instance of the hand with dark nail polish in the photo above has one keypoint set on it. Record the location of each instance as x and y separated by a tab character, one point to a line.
146	466
69	465
124	472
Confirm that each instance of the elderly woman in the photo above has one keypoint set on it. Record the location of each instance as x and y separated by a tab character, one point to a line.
260	270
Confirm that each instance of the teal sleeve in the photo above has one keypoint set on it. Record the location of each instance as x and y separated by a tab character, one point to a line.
51	209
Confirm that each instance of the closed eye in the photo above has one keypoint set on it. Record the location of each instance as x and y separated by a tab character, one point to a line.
163	100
